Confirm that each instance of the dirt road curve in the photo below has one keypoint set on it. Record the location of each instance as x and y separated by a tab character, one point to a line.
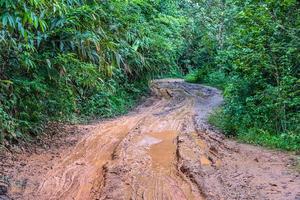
163	150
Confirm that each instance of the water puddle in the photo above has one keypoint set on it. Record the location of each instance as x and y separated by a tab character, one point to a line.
148	141
163	153
164	181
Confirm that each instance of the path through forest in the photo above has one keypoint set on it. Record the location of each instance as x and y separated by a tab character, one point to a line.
164	149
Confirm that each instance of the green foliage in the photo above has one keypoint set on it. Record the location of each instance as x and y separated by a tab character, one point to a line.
192	77
61	60
254	58
222	121
286	141
115	99
204	75
264	58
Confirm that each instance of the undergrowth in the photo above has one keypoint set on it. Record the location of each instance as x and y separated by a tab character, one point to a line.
256	136
250	50
215	78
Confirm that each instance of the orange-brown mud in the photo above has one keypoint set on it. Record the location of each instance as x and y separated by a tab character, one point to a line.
163	150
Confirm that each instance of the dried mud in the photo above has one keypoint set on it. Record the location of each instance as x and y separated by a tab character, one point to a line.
163	150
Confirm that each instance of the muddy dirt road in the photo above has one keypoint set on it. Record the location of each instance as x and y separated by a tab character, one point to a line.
161	151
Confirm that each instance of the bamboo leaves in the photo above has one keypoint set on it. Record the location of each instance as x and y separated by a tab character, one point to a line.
66	56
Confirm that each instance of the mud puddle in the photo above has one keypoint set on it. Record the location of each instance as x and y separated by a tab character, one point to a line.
163	153
165	182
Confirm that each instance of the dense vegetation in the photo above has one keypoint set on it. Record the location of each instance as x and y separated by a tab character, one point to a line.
251	50
71	59
61	60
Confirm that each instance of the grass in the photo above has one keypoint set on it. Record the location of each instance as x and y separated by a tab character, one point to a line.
256	136
288	142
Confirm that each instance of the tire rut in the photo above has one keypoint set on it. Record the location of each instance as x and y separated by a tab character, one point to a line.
165	150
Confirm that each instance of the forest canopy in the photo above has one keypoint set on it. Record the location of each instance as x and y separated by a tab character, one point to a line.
68	60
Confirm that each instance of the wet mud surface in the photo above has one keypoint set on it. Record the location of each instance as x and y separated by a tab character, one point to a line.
163	150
